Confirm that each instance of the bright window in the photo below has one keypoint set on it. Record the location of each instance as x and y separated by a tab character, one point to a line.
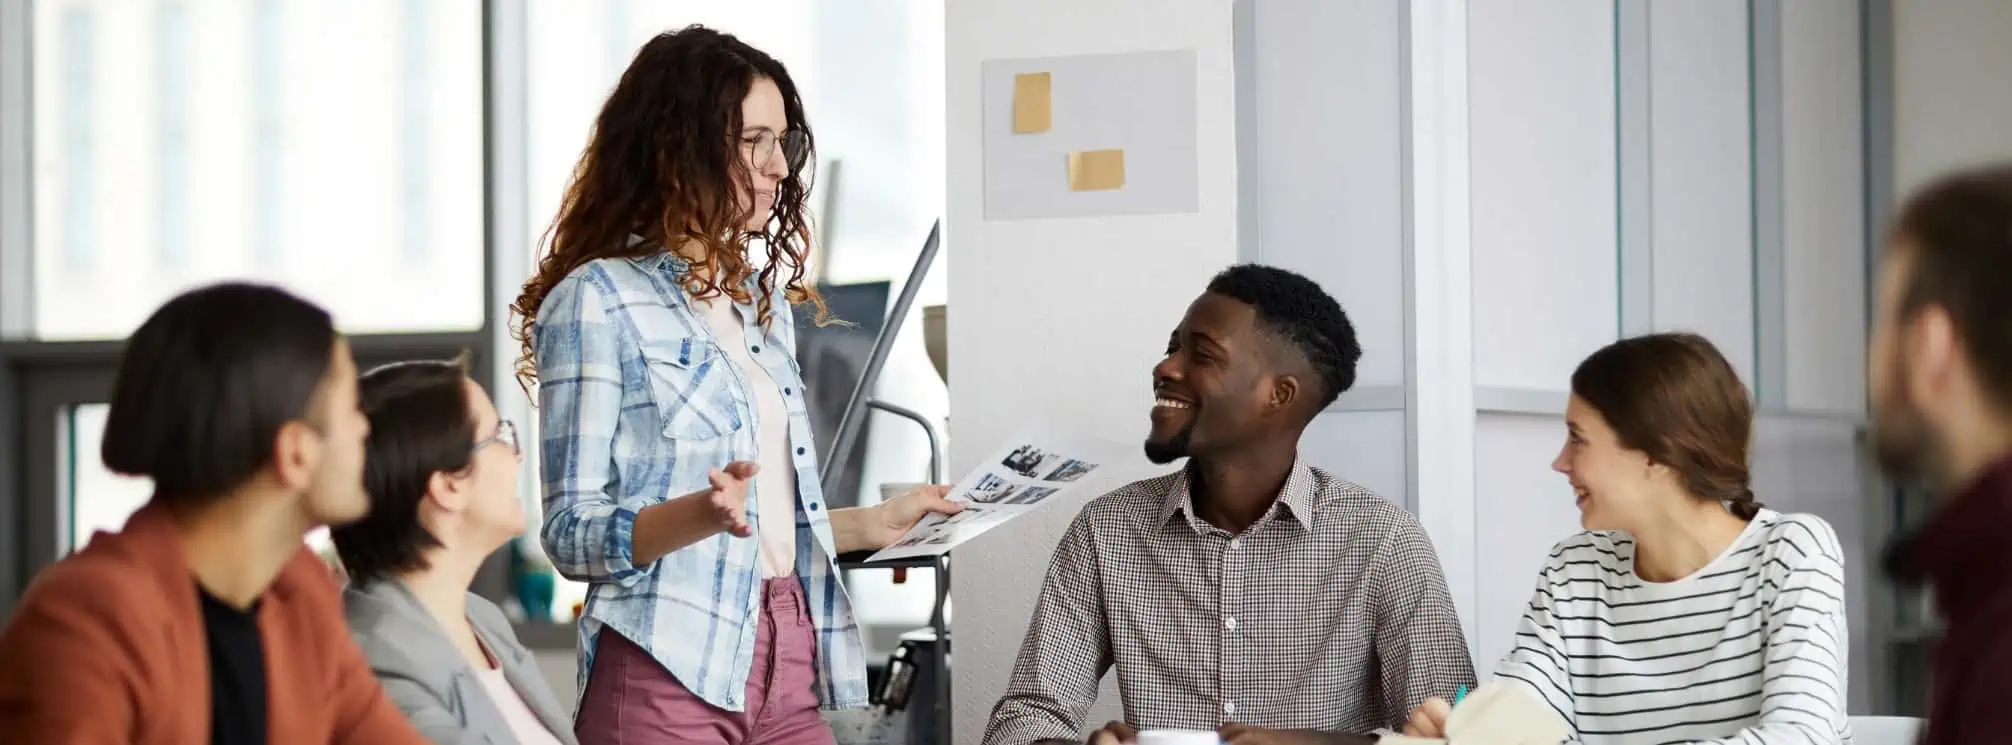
332	148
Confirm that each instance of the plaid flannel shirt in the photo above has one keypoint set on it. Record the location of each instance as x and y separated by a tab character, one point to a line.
637	405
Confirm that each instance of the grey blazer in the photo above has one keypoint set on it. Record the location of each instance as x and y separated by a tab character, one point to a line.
428	679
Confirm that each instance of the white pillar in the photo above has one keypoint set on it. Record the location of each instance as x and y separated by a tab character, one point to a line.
1063	318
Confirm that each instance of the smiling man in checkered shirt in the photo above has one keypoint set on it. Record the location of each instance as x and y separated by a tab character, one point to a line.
1249	592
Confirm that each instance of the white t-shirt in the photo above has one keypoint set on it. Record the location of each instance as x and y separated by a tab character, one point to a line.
523	723
1748	650
775	485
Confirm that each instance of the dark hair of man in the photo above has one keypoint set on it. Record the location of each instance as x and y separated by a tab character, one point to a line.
421	424
206	383
1957	233
1298	312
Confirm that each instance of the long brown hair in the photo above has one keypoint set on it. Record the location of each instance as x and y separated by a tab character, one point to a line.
663	163
1675	398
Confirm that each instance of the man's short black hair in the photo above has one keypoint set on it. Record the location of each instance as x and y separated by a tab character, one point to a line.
205	385
421	423
1299	312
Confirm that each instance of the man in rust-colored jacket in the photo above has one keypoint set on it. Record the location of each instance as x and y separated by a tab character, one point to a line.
205	621
1940	375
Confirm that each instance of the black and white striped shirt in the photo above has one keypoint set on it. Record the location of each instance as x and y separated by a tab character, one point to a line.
1749	650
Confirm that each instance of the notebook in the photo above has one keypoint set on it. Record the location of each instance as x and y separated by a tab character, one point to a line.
1497	713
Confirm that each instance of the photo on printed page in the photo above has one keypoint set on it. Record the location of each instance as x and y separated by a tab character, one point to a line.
990	488
1027	461
1070	470
994	497
971	514
1031	495
1029	469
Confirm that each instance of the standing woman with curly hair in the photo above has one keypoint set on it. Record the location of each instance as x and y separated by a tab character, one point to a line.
663	349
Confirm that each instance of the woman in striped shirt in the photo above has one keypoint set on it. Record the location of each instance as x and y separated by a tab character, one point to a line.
1687	612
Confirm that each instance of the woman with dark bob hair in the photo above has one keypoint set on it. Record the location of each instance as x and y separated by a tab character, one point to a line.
659	332
1687	612
441	471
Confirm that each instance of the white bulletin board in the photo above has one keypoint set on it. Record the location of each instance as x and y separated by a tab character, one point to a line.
1142	103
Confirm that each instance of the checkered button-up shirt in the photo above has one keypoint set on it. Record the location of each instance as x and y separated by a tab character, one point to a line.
1329	613
637	405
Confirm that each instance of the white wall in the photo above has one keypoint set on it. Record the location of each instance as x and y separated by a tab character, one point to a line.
1542	166
1344	235
1823	208
1562	252
1496	184
1063	318
1951	59
1348	133
1700	173
1806	456
1527	508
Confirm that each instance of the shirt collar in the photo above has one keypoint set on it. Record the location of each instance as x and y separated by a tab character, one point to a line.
672	266
1961	550
1294	503
659	260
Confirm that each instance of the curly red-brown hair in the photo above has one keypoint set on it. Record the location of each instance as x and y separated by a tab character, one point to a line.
663	163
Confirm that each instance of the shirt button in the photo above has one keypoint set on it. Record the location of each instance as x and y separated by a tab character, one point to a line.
813	507
799	451
1230	708
1230	623
755	349
1236	543
788	392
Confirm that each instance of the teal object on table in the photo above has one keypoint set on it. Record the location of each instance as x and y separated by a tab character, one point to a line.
534	588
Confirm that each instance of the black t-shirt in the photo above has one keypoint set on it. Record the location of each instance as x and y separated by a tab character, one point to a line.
237	673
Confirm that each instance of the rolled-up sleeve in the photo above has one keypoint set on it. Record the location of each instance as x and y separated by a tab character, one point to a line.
588	530
1420	647
1065	654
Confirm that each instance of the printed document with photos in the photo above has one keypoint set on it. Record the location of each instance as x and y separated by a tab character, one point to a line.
1028	471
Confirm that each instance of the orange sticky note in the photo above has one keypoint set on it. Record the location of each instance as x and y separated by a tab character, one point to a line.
1032	110
1096	170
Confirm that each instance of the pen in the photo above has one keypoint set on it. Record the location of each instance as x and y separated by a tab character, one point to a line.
1459	694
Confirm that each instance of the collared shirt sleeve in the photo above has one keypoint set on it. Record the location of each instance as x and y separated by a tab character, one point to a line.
587	530
1065	654
1420	647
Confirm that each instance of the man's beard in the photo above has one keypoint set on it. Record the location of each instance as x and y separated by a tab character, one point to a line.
1903	443
1175	448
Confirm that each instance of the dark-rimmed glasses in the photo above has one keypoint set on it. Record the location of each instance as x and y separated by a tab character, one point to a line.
793	144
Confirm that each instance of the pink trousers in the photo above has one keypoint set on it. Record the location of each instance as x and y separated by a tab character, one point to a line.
633	700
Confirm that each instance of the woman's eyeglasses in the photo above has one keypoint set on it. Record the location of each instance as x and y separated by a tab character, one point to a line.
506	435
793	144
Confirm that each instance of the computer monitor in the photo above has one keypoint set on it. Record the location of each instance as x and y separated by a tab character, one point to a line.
833	358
